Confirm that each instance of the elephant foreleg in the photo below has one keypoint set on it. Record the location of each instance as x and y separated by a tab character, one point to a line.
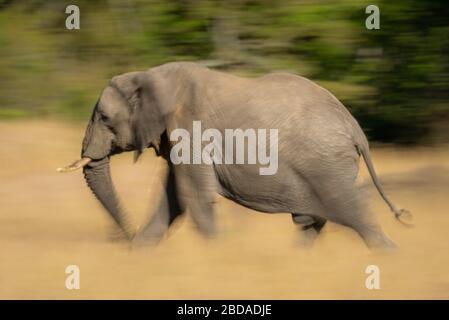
166	213
196	186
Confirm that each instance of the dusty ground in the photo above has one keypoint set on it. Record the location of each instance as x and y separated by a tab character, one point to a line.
50	220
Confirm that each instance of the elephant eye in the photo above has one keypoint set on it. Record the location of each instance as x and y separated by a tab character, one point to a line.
104	117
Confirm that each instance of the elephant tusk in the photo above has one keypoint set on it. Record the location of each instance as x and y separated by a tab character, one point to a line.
75	166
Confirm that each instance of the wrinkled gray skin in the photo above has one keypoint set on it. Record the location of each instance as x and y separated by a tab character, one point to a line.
319	148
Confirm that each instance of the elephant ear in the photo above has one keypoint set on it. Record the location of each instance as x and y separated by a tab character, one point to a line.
148	118
149	102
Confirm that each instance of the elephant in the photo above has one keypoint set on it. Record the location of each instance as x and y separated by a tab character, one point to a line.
319	147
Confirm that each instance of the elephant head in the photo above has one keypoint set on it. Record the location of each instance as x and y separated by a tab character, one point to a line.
130	115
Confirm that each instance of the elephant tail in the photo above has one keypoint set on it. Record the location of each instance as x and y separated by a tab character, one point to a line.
363	149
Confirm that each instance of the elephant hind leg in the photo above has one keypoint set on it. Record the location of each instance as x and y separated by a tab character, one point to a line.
310	227
346	203
366	225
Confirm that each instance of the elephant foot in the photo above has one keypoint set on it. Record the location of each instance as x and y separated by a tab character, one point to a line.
310	227
141	242
376	240
307	237
208	232
205	224
382	244
117	235
150	235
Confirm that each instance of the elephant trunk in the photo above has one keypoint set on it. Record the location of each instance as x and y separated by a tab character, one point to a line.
96	150
98	178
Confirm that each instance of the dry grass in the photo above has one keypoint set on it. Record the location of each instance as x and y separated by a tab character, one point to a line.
49	220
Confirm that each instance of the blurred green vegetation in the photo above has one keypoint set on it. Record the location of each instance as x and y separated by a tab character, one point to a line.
394	80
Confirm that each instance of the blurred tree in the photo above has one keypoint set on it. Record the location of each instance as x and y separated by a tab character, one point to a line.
395	80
